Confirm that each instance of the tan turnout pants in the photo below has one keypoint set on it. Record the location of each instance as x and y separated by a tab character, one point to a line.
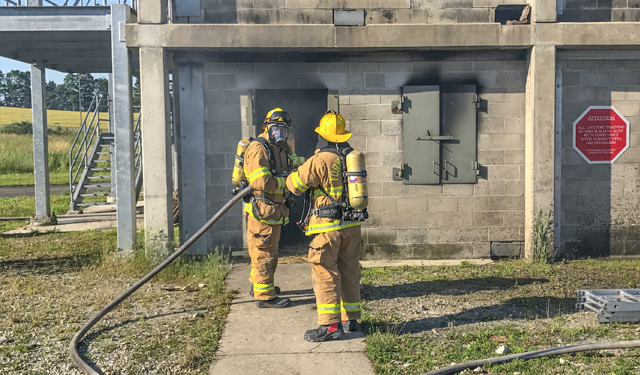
335	259
263	240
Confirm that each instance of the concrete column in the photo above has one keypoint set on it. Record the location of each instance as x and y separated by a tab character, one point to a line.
539	138
40	145
193	173
152	11
34	3
123	131
544	11
156	151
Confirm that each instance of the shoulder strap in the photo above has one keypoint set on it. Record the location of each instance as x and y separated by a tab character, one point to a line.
272	159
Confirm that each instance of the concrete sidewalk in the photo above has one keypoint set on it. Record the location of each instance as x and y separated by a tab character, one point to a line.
270	341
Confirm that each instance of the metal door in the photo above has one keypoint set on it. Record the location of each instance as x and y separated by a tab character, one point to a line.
305	107
459	153
421	134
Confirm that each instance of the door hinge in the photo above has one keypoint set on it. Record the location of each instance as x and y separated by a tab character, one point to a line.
397	106
398	173
476	167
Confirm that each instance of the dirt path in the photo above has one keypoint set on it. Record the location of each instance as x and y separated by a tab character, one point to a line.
28	191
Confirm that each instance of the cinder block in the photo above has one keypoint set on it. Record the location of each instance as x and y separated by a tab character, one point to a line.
364	99
442	235
457	219
396	66
514	125
373	159
481	66
392	159
427	219
396	220
374	80
365	127
286	68
472	234
268	4
214	97
513	218
381	112
490	157
426	4
223	112
580	64
413	204
491	125
460	15
210	68
515	66
396	189
425	190
507	249
253	16
622	3
505	234
382	236
499	141
355	81
505	203
220	81
457	189
366	67
515	187
386	204
473	204
358	142
457	3
379	174
392	127
386	143
514	156
484	187
595	78
381	16
413	235
374	221
627	108
443	204
354	112
504	172
412	16
389	98
502	110
239	68
488	219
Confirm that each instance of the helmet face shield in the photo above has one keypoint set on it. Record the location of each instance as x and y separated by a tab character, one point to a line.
278	133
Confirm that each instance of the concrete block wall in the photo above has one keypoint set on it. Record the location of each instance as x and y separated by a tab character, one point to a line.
377	11
600	203
600	11
420	221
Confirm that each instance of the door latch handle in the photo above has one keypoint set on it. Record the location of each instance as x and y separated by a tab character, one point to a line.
437	138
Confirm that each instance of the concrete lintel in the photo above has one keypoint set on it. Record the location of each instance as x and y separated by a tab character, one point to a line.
156	151
40	142
605	34
328	37
54	23
539	139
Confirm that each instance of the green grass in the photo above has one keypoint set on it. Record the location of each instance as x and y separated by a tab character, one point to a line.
26	179
89	256
504	284
26	206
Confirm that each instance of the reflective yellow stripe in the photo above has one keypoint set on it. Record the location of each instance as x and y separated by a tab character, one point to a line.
330	226
351	306
248	208
263	287
335	192
279	191
330	308
298	183
262	171
281	182
251	272
293	156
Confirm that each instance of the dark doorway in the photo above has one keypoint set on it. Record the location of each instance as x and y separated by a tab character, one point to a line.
305	107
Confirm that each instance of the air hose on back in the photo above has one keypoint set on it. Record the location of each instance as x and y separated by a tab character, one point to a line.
73	346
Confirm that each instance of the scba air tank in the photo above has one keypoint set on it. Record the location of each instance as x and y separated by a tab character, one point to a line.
238	167
357	180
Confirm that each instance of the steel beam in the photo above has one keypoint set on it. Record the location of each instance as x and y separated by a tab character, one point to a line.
40	145
193	174
123	131
53	23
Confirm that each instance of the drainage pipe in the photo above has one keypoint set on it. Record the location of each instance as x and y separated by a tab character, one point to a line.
536	354
73	346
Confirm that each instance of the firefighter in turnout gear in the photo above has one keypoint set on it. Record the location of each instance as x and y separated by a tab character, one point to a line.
336	247
267	162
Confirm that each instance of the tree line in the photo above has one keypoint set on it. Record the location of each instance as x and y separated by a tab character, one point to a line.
75	93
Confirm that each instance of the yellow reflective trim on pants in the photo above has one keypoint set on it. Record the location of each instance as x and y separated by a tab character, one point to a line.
330	308
298	183
330	226
350	306
263	287
262	171
248	208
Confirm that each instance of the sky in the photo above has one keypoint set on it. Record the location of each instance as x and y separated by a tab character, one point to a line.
7	65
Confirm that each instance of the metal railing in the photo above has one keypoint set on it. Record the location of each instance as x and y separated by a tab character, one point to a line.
137	150
84	141
72	3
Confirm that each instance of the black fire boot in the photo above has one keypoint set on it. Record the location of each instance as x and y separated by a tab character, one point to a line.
276	303
277	289
324	333
350	325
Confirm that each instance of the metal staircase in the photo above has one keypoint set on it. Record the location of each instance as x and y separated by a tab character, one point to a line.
90	156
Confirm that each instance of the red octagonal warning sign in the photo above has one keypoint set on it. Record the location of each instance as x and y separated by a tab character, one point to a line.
601	135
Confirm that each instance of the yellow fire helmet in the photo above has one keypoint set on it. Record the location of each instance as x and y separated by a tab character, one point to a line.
276	115
331	128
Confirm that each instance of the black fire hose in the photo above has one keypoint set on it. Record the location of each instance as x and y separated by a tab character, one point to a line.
536	354
73	346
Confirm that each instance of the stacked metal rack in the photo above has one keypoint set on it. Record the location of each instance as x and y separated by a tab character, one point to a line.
611	305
